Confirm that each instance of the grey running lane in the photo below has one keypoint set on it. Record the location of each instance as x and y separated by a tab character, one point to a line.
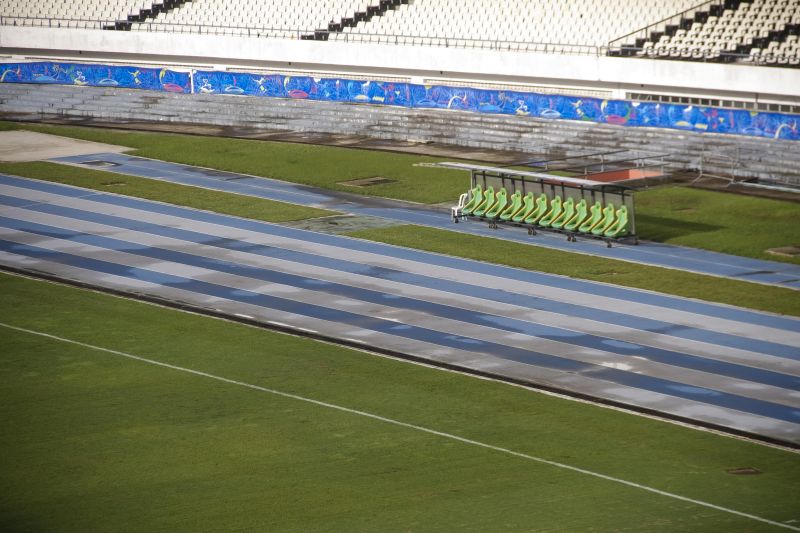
675	257
719	365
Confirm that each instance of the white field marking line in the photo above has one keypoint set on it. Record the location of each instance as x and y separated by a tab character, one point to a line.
405	425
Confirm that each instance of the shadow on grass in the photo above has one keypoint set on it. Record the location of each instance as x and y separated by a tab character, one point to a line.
661	228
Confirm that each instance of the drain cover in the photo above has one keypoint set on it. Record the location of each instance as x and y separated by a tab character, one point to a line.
99	164
786	251
341	223
367	182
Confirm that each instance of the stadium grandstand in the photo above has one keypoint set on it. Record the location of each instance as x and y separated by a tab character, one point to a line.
756	31
714	83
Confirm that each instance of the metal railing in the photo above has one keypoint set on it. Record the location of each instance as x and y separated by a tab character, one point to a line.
246	31
455	42
236	31
52	22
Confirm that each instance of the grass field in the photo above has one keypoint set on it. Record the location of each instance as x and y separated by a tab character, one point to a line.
715	221
92	440
723	222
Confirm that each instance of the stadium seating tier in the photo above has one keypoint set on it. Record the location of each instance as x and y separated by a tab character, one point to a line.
750	31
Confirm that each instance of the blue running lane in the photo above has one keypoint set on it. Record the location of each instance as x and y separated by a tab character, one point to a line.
447	311
690	259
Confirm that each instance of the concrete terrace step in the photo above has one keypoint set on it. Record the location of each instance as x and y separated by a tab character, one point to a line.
767	158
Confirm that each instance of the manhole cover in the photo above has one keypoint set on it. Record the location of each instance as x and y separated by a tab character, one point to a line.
748	471
367	182
99	164
341	223
786	251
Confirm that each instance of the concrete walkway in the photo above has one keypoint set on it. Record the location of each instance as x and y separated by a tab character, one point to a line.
20	145
648	253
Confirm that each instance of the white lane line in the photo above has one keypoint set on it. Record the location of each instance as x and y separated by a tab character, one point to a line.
406	425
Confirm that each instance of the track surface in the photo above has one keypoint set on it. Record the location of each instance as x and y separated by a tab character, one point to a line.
719	365
675	257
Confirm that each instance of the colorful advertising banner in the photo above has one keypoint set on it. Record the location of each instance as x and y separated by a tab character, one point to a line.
618	112
130	77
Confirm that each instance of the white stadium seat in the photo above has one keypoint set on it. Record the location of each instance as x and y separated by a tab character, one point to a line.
566	26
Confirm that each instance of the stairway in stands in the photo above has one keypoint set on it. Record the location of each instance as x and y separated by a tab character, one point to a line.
156	8
704	34
373	10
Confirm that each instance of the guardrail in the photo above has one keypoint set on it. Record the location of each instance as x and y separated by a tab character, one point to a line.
51	22
236	31
447	42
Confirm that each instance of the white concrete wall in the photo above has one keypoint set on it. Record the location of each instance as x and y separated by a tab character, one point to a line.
616	74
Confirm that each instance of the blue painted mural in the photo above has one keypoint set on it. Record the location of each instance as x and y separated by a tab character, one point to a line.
619	112
96	76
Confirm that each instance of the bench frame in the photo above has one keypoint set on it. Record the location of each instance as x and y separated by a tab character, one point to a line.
551	186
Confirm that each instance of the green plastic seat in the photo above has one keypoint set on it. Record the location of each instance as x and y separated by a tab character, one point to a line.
528	205
500	202
475	199
538	211
556	207
566	214
516	203
581	210
595	215
620	227
486	203
606	222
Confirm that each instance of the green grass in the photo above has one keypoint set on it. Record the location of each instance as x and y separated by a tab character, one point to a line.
729	223
94	441
728	291
195	197
319	166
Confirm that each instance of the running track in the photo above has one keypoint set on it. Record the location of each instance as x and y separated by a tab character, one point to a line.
716	364
675	257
